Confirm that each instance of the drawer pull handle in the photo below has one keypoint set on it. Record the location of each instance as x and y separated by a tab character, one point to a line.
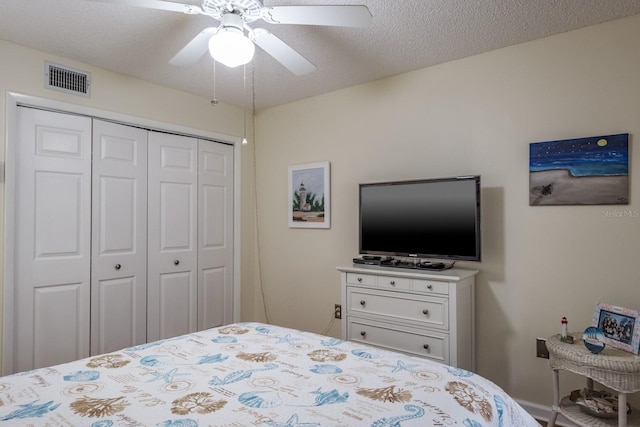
363	333
425	311
430	287
359	279
426	346
362	302
118	266
392	283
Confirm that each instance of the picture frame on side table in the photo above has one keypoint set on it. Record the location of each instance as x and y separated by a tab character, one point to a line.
620	326
309	196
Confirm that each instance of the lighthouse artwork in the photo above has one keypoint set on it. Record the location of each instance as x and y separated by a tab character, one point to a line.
309	195
303	205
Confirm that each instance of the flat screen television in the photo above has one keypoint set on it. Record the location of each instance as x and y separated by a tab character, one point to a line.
429	218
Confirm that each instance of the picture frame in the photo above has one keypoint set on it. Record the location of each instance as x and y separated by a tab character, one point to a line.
620	326
580	171
309	199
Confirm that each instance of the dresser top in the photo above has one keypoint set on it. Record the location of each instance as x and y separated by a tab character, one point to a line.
454	274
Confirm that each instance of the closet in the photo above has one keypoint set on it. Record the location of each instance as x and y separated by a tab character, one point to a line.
122	236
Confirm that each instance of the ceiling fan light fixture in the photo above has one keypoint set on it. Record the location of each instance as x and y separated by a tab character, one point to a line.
229	45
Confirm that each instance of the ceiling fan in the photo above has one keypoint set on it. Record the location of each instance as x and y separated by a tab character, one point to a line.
227	42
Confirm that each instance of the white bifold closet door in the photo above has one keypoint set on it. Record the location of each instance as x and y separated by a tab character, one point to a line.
52	239
122	236
215	234
190	251
173	222
119	237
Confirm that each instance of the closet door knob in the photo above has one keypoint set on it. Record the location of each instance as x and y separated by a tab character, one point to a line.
118	266
176	262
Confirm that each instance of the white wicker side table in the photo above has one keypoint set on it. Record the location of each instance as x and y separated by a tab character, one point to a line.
616	369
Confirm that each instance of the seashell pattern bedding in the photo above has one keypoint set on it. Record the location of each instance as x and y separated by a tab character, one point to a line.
252	374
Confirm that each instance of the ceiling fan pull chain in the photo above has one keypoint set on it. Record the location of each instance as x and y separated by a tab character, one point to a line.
244	105
214	101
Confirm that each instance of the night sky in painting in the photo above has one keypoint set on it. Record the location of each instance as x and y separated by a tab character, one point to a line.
594	156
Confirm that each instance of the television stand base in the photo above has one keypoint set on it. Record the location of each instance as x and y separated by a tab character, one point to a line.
391	262
424	265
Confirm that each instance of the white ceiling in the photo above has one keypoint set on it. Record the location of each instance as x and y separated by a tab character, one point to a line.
405	35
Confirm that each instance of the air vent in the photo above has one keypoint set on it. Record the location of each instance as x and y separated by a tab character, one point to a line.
68	80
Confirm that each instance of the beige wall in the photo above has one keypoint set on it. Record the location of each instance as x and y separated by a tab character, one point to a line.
473	116
22	71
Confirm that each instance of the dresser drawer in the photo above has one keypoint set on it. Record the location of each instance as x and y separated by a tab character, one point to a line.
429	344
399	306
430	286
361	279
389	282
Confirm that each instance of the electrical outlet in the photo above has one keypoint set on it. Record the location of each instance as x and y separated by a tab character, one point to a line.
337	311
541	348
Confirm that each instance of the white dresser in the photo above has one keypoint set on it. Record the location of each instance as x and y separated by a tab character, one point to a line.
425	313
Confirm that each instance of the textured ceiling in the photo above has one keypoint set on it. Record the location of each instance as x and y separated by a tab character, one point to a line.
405	35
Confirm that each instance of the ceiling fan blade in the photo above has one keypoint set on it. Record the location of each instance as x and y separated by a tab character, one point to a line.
337	16
193	51
157	4
282	52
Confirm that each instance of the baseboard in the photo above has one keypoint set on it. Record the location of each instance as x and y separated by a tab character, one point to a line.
542	413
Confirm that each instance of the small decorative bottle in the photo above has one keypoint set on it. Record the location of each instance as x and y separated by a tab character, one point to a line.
563	334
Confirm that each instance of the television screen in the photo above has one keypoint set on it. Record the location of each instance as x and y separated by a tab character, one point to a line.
432	218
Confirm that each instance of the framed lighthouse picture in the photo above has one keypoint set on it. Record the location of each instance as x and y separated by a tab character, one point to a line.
309	198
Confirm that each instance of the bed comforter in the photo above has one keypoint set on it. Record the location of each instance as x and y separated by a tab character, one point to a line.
252	374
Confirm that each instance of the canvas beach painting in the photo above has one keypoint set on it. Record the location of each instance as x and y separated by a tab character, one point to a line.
584	171
309	202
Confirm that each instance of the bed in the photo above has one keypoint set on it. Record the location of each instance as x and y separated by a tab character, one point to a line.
252	374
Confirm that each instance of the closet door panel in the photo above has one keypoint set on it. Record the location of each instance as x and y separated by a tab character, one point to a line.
52	239
213	202
176	292
215	225
59	232
172	268
176	217
117	312
56	332
212	297
119	264
117	229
